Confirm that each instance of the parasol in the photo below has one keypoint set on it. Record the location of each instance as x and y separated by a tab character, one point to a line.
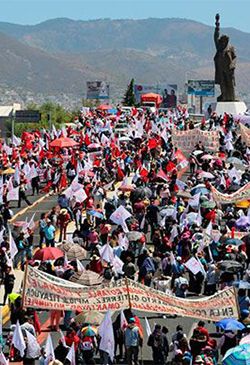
90	317
63	142
73	251
87	278
48	253
239	355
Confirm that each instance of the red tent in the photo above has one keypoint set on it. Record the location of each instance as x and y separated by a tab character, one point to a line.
63	142
152	97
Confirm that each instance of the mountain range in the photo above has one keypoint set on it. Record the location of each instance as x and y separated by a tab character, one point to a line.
54	59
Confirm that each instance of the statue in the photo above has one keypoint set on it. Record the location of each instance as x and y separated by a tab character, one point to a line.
225	62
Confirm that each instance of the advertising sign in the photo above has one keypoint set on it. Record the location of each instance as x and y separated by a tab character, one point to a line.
97	90
27	116
167	91
201	87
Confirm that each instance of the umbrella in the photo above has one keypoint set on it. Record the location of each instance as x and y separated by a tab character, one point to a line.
206	175
230	266
73	251
200	188
245	339
95	213
197	152
87	278
134	235
48	253
242	222
94	146
208	204
104	107
90	317
239	355
184	194
141	193
8	171
235	161
230	324
207	157
124	139
234	242
125	188
63	142
243	204
89	331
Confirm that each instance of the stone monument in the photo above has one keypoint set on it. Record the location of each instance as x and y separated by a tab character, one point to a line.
225	63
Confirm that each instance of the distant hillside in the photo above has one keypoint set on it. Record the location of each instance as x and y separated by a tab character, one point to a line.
59	55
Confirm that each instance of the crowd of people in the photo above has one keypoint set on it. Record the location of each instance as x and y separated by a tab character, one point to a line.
169	216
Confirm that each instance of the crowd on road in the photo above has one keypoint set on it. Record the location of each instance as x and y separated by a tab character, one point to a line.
138	206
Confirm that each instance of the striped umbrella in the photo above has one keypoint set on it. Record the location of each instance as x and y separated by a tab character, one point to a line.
73	251
239	355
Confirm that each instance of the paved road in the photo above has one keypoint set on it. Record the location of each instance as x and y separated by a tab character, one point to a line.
171	323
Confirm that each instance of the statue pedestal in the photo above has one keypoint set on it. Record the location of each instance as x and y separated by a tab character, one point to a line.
230	107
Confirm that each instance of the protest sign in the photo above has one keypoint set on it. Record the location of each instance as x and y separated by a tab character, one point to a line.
241	194
44	291
193	265
187	140
245	134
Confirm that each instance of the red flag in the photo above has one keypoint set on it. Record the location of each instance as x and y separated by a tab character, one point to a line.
170	166
144	172
37	323
161	174
152	143
120	174
87	140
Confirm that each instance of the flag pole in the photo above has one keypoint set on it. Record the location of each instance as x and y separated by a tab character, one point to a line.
24	282
127	286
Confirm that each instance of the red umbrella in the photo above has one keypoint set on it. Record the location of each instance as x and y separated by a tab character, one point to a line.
63	142
104	107
48	253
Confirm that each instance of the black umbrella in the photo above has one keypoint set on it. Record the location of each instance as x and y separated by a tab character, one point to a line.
141	193
230	266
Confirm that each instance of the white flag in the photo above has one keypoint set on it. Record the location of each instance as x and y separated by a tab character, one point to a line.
18	340
123	321
17	175
3	360
13	194
117	265
71	355
33	347
80	267
106	253
31	224
13	248
148	328
16	141
106	332
49	350
62	339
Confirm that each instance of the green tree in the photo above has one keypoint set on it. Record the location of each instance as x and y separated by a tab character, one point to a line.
129	97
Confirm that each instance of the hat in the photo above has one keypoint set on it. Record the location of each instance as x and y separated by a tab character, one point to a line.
198	360
63	211
94	257
131	320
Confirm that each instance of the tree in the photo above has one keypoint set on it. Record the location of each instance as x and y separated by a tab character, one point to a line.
129	97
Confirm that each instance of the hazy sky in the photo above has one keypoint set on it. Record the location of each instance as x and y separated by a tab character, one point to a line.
233	13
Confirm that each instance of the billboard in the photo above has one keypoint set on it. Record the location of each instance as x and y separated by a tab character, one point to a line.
167	91
201	87
97	90
27	116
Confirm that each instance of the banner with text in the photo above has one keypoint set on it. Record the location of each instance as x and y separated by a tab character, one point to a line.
186	140
242	194
44	291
